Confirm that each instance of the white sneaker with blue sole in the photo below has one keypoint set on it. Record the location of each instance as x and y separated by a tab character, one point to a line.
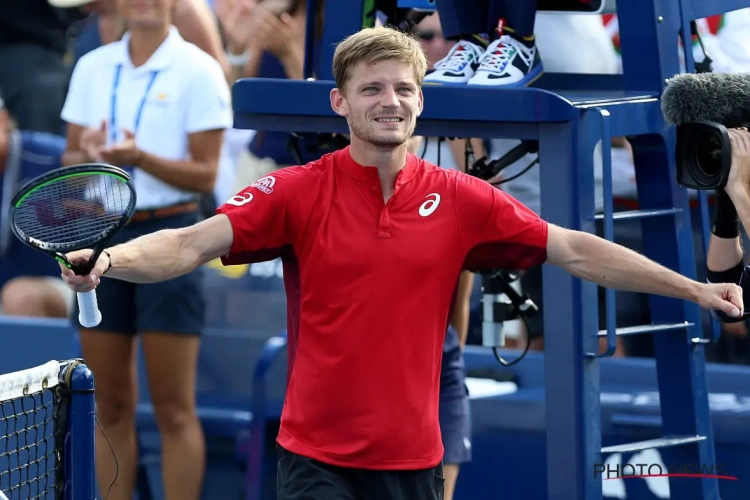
507	63
458	66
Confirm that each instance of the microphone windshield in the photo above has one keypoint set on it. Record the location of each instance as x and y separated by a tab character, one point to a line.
715	97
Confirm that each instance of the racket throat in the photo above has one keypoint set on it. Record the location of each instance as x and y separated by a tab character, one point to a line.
79	269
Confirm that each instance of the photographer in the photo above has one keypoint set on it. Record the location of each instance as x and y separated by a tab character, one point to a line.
725	257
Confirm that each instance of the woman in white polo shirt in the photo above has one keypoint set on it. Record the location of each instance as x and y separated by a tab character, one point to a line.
157	106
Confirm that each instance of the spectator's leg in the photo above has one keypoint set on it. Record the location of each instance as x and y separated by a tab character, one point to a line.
514	18
464	21
34	81
171	362
512	59
170	318
35	297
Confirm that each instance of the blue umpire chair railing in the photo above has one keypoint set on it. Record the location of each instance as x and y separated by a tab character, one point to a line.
569	115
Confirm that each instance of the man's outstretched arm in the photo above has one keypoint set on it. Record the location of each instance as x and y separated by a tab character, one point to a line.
158	256
613	266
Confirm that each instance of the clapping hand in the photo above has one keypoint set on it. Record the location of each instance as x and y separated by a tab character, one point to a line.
92	141
278	34
122	154
235	17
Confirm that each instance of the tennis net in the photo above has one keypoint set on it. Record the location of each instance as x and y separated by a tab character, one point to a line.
41	429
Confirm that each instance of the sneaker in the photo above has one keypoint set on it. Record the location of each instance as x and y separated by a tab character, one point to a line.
458	66
508	63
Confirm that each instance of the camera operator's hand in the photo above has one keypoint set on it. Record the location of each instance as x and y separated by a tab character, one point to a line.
738	182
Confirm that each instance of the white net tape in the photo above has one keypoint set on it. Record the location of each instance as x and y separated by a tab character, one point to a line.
31	381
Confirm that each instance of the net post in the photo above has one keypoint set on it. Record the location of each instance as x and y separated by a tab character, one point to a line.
82	422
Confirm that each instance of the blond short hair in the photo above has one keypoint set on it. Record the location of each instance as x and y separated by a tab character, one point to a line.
373	45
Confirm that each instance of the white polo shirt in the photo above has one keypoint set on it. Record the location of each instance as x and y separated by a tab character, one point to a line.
179	91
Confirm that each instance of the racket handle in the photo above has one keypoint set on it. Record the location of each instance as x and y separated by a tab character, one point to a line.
88	310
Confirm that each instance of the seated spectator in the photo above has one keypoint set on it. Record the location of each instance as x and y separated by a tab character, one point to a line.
30	280
157	106
495	44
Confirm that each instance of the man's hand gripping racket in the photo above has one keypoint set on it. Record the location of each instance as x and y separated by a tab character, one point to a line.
72	214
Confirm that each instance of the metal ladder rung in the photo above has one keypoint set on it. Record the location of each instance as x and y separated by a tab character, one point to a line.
640	214
641	329
653	443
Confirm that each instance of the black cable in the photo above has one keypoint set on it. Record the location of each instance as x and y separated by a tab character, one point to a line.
525	348
117	464
519	174
424	147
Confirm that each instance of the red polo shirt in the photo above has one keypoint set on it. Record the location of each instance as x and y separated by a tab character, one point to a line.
370	295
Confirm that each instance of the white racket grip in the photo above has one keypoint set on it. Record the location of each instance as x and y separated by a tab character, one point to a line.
88	310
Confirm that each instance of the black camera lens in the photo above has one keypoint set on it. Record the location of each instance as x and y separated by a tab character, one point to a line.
703	154
708	154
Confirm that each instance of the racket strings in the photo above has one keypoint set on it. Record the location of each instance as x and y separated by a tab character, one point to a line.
66	211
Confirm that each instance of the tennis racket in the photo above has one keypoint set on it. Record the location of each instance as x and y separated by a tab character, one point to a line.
74	208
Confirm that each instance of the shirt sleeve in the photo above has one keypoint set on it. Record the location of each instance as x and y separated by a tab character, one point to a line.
497	231
208	102
76	109
266	216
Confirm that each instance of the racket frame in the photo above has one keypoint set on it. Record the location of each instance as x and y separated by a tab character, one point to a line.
97	243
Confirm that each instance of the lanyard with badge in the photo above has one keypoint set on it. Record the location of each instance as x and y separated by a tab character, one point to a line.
139	112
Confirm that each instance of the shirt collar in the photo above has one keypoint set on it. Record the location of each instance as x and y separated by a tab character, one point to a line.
343	160
159	60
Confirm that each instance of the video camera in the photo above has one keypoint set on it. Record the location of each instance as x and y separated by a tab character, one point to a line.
703	105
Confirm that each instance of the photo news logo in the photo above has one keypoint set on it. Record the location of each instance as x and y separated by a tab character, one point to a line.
608	471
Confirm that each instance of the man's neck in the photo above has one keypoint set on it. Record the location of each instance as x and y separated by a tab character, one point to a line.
388	161
144	42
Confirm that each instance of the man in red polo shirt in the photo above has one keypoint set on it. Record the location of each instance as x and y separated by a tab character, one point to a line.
373	241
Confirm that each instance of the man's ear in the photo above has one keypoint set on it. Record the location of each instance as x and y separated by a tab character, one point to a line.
338	102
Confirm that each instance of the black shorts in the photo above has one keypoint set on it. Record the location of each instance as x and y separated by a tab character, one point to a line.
302	478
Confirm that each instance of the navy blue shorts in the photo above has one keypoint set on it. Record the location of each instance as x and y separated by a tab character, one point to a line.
455	410
174	306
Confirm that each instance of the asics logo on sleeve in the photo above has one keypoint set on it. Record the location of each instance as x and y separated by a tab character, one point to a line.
429	206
